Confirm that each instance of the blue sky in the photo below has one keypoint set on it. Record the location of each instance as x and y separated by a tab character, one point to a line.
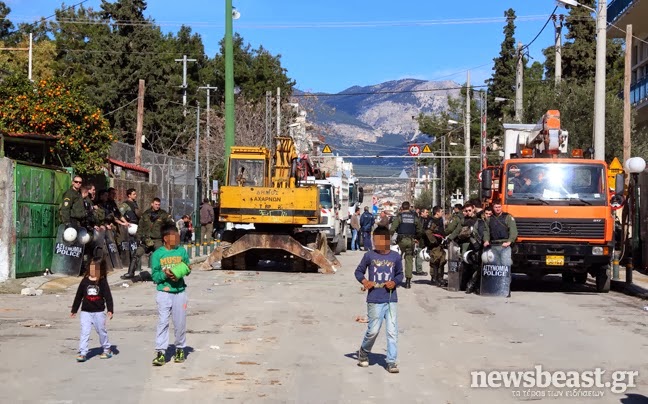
385	43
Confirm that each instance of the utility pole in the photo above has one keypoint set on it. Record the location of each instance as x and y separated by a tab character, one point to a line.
467	140
208	151
599	81
184	61
268	117
278	111
557	20
198	237
484	152
140	123
519	84
627	111
443	172
229	82
29	50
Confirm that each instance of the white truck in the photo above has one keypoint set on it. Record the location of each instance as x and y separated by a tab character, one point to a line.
334	211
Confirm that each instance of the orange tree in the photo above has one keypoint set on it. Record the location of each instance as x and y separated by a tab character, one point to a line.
50	107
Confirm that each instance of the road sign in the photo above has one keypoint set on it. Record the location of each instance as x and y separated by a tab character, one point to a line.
414	150
427	149
327	149
614	168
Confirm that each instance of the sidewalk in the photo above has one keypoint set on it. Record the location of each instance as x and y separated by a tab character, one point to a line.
638	288
58	282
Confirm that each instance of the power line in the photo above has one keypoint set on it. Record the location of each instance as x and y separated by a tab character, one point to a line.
385	92
542	29
122	107
339	24
65	9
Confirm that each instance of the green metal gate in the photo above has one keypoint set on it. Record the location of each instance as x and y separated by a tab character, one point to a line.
39	191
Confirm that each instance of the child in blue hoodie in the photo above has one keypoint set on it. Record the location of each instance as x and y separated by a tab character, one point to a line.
384	269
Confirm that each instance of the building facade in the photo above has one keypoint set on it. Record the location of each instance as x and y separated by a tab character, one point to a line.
619	14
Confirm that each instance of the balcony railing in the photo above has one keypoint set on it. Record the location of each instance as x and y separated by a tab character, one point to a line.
639	91
617	7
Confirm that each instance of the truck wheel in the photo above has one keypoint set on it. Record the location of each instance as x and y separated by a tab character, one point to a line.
603	279
338	246
581	279
568	277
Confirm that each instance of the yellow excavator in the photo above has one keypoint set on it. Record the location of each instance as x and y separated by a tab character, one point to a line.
272	196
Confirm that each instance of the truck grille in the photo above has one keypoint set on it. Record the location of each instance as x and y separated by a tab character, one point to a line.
561	228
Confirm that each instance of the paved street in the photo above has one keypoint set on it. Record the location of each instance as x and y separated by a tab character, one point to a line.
282	337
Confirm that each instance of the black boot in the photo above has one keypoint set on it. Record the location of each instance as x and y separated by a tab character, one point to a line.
408	283
131	269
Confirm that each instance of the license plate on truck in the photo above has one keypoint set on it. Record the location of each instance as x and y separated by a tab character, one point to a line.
555	260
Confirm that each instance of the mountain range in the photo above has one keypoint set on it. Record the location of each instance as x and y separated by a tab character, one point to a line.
377	120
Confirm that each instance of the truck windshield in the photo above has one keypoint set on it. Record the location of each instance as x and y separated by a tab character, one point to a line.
246	172
353	194
326	196
556	183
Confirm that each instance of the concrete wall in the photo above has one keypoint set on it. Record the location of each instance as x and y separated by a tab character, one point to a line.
7	222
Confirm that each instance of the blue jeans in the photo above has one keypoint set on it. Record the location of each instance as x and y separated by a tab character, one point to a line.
366	239
502	255
377	312
354	239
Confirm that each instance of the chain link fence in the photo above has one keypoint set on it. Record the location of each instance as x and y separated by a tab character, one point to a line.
173	179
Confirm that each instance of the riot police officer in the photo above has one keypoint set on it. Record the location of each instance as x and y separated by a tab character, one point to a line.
408	227
70	198
435	233
149	234
500	232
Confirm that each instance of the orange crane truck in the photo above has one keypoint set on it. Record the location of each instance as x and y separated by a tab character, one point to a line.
560	202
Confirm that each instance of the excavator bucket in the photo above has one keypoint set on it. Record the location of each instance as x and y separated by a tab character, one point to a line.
246	249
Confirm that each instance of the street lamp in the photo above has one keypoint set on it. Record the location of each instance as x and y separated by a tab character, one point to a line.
634	166
599	80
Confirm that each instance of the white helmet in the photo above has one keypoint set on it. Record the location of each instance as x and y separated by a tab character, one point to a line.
466	256
424	255
132	229
84	236
488	257
70	234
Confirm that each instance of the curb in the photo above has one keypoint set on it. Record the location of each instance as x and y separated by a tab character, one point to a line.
630	290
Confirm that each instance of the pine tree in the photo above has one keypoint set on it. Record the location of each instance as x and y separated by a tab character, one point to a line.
502	83
579	50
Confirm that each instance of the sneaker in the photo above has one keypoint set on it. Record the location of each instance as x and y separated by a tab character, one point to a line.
106	355
159	359
363	358
392	368
179	356
81	358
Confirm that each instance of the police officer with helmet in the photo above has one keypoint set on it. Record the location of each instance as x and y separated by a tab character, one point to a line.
408	227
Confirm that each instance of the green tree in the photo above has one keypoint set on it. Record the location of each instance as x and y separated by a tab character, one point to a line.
53	108
502	82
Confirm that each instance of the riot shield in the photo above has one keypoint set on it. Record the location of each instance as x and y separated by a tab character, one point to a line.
68	257
113	251
495	280
455	267
123	242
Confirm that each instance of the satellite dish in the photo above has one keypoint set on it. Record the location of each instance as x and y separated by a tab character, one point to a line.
235	14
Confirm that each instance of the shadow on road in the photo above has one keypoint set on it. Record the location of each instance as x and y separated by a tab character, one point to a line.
92	352
550	283
171	349
374	359
634	399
